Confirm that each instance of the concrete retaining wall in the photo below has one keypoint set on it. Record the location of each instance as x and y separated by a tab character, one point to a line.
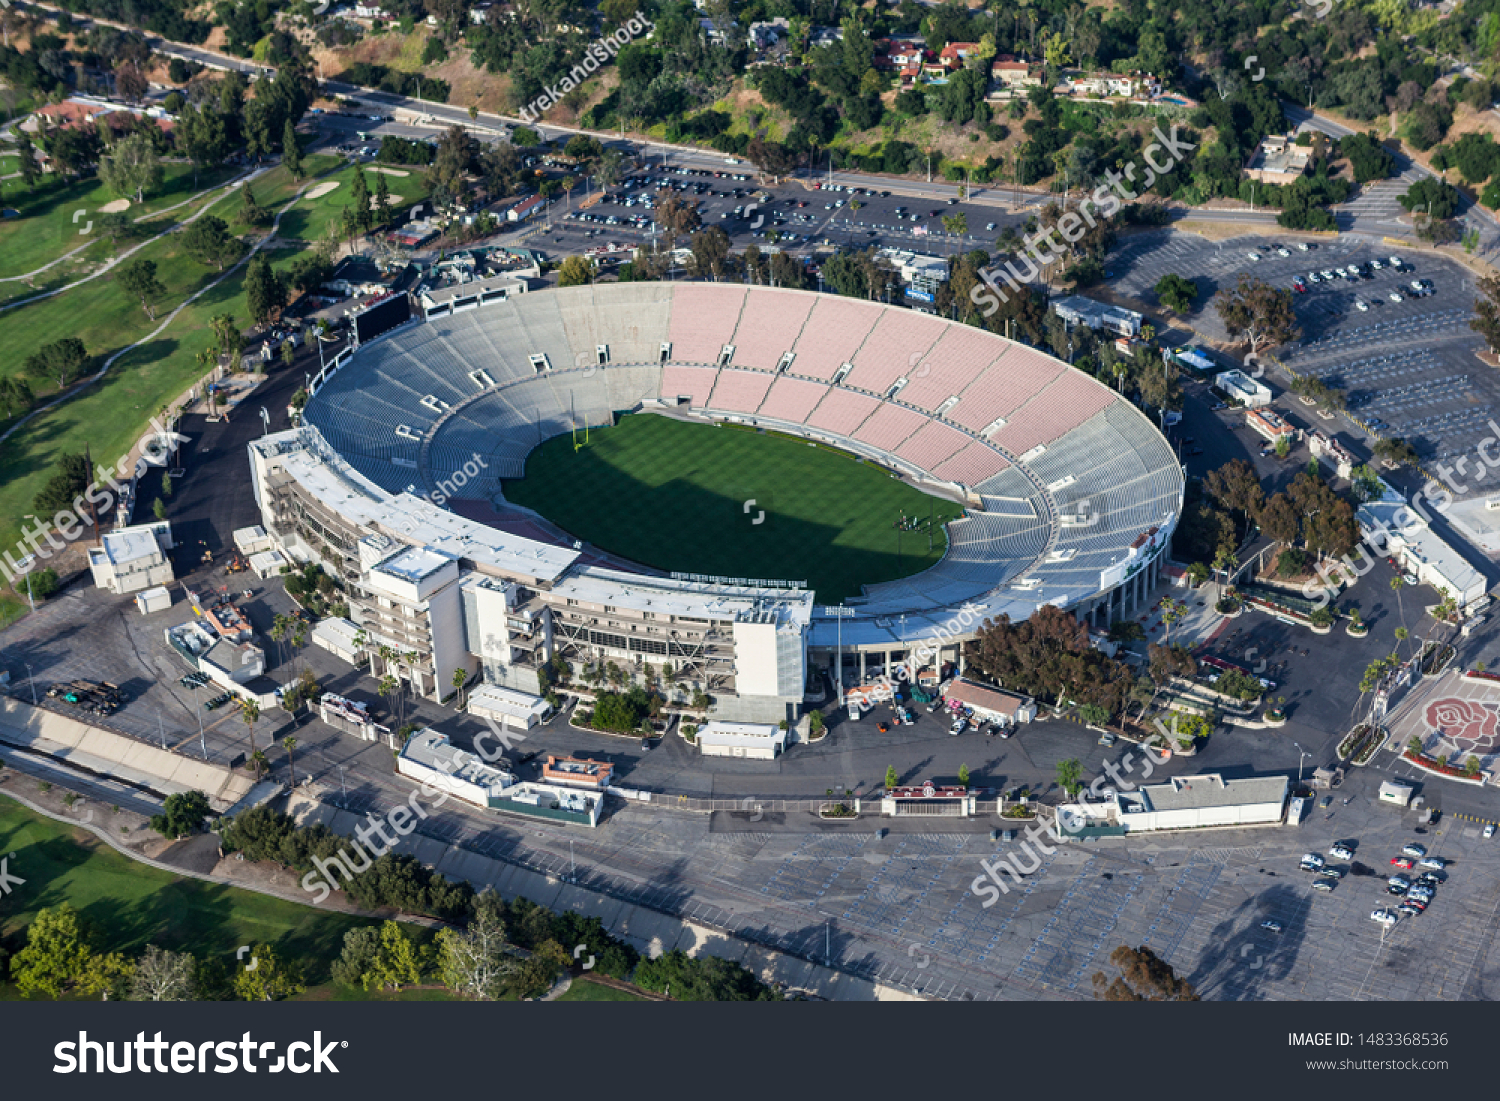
99	750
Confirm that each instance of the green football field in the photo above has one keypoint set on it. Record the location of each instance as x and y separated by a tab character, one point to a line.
674	496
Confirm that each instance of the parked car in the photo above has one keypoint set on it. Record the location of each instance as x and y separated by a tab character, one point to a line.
1402	862
1274	926
1489	831
1385	917
1323	885
1413	849
1432	862
1341	852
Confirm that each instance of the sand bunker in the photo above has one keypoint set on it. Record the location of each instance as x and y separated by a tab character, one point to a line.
322	189
116	207
390	171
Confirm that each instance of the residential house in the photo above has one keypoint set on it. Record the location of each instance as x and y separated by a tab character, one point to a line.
954	54
1277	160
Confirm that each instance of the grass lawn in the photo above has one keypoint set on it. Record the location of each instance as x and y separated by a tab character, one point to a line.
111	415
309	219
674	495
584	991
50	221
132	905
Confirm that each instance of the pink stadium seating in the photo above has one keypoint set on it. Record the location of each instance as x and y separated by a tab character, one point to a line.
769	326
833	333
890	425
841	411
957	360
792	399
693	382
704	317
740	391
899	341
972	465
935	442
1004	388
1058	409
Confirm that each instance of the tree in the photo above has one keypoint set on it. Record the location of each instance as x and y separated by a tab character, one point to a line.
1094	714
360	946
251	212
1486	321
291	150
963	776
1259	312
382	211
265	289
1432	195
475	961
250	713
395	962
162	976
269	979
456	153
1176	293
58	955
182	815
159	509
1070	775
229	342
891	779
63	488
131	167
289	744
1144	977
30	167
209	242
59	361
576	271
460	678
137	278
15	394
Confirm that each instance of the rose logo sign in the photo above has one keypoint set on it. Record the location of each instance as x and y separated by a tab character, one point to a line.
1472	727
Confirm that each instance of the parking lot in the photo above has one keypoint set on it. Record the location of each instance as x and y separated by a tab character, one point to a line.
793	216
1404	355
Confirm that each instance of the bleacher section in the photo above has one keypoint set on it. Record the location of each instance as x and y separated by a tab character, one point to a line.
704	317
832	335
792	399
956	361
898	343
771	323
740	391
1111	474
841	412
1069	401
1001	390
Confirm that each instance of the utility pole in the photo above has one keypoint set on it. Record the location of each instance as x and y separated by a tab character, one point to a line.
88	458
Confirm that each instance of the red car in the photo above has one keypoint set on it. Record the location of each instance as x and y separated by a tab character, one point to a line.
1401	862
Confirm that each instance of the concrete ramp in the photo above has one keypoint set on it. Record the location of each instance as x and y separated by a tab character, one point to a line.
111	754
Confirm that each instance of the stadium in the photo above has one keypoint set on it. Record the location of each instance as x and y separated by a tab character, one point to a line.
1065	493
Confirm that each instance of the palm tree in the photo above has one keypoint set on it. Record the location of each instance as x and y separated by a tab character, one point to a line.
289	743
1171	612
258	759
250	712
1397	584
460	678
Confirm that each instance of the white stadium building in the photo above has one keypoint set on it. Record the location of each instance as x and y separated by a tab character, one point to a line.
1071	492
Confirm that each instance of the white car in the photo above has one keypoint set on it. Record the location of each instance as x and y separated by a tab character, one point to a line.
1489	831
1395	296
1311	862
1414	850
1282	252
1340	852
1377	264
1323	885
1302	246
1253	255
1385	917
1328	274
1395	262
1361	305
